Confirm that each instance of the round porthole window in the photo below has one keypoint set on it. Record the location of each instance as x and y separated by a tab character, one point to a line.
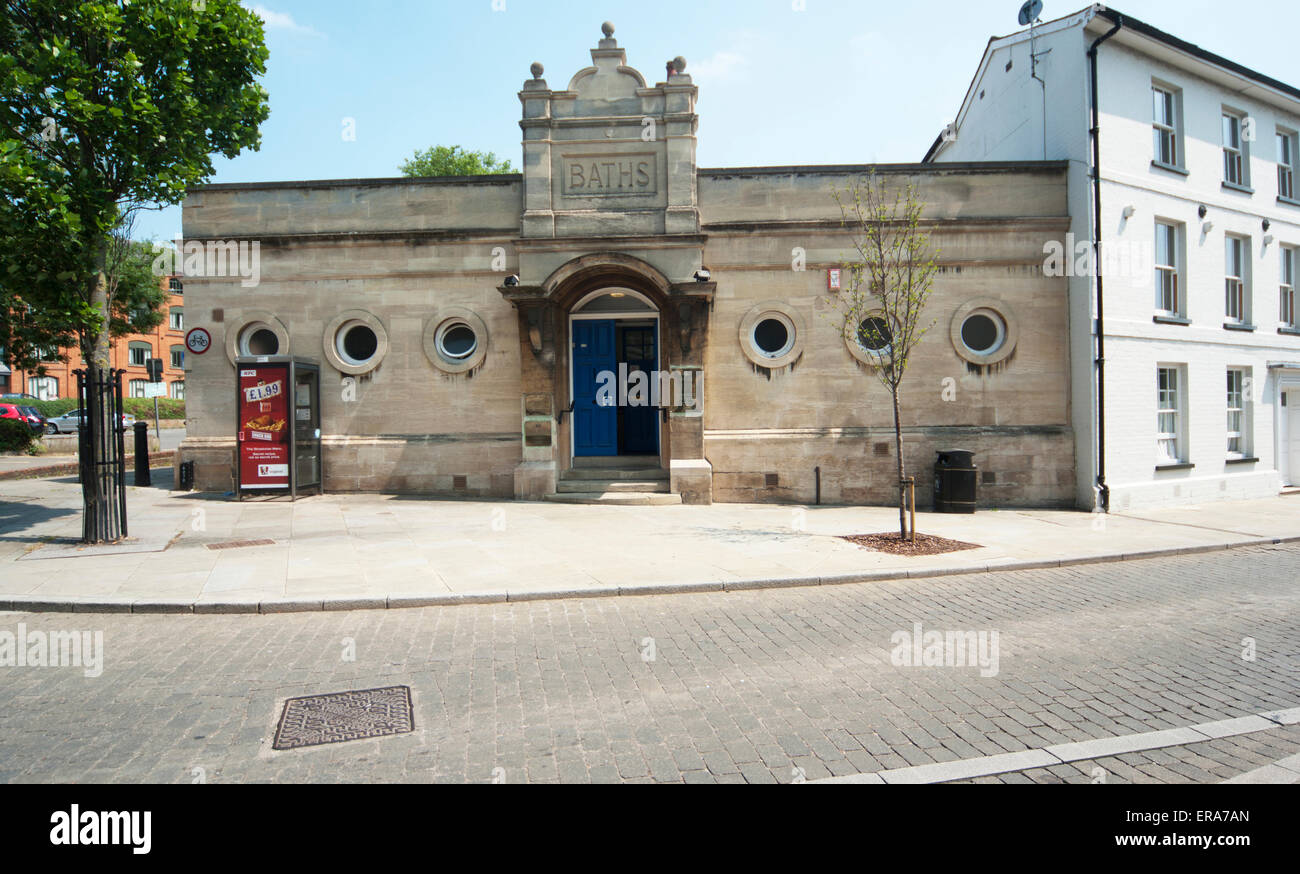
255	334
258	339
356	343
773	336
982	332
874	335
456	341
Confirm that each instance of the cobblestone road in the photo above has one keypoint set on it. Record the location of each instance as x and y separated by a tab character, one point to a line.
731	687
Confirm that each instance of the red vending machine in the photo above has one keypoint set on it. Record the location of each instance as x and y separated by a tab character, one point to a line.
278	428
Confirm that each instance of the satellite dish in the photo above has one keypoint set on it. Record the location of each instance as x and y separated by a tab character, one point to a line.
1029	12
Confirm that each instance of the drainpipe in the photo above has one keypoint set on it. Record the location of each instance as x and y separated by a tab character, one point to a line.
1103	491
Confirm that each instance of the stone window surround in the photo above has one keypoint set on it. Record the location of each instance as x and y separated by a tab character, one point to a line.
444	319
333	334
784	313
254	319
1010	326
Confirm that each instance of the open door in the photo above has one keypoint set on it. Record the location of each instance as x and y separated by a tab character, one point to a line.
638	426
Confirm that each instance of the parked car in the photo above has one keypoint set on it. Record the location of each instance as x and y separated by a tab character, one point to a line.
69	421
11	411
36	420
13	396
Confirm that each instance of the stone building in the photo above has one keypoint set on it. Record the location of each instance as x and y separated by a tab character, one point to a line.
462	324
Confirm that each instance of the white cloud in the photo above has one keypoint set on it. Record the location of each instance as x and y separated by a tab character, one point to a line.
281	21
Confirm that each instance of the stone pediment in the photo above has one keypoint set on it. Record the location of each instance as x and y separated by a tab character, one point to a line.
609	155
595	83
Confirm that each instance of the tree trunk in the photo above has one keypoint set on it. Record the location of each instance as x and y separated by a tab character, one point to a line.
898	451
102	519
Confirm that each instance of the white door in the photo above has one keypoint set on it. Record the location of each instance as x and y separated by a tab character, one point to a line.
1293	437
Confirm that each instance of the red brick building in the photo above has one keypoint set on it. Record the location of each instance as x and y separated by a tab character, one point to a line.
166	341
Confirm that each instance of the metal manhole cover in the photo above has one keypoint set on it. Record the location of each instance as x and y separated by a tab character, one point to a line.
342	716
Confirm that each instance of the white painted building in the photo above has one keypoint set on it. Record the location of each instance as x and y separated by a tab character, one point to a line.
1200	239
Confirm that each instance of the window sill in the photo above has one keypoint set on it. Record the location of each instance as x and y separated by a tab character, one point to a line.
1170	320
1238	326
1294	332
1233	186
1247	460
1290	201
1181	465
1172	168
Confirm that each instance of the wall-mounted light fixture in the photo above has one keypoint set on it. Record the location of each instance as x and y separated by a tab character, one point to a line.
1201	211
1128	212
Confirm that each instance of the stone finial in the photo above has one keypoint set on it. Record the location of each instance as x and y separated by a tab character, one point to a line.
608	42
537	70
679	64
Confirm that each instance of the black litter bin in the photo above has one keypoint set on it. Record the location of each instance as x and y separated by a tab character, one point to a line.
954	481
187	476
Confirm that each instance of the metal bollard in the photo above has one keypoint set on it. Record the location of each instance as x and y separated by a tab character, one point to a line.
142	454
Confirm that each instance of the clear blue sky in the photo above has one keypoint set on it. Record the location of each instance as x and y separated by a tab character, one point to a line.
838	82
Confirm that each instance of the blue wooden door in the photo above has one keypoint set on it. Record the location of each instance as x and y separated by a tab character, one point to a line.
595	425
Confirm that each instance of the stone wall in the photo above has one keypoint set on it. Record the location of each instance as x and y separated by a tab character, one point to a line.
826	408
404	253
1019	467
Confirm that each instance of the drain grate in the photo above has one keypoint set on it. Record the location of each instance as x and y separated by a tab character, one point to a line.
342	716
237	544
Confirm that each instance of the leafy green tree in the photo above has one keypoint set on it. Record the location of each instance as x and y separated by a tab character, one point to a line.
453	161
883	302
106	105
135	294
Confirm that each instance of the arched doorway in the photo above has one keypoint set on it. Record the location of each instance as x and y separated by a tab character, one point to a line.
614	386
606	312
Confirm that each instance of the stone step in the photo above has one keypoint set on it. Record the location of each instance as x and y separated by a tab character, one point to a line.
611	485
643	474
643	499
616	461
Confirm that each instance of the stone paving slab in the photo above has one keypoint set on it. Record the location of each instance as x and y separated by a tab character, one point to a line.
1114	746
1282	771
384	550
1059	754
76	549
1265	757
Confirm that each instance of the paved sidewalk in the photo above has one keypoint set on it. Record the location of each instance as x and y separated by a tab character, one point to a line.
355	551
